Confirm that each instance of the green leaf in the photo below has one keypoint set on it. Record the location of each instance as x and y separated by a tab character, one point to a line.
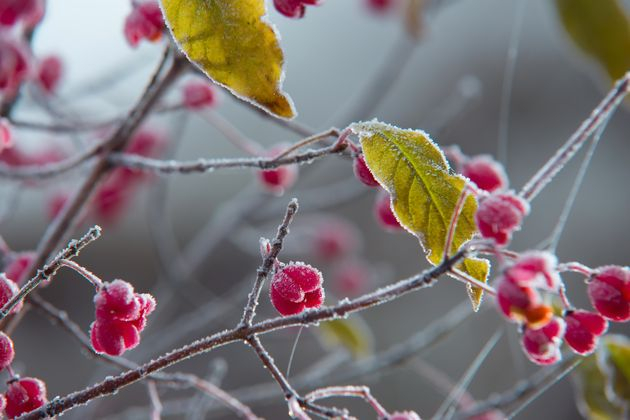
591	395
424	191
613	357
232	42
352	333
601	30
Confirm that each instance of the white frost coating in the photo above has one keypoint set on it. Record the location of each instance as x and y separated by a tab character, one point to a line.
264	18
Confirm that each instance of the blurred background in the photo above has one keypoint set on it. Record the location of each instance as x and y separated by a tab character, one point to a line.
448	83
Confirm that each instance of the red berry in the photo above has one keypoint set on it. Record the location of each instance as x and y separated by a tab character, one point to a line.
381	6
583	330
8	289
18	265
293	8
49	73
609	292
486	173
121	315
404	415
333	238
295	287
363	173
24	395
542	346
14	64
13	10
535	269
199	95
280	179
6	139
384	213
7	353
522	304
499	215
144	22
351	277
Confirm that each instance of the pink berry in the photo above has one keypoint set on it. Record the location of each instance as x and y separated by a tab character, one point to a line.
295	287
13	10
24	395
49	73
380	6
7	353
535	269
384	213
499	215
293	8
351	278
8	289
17	267
609	292
144	22
583	330
363	173
121	315
522	304
280	179
542	346
199	95
404	415
6	138
14	64
486	173
333	238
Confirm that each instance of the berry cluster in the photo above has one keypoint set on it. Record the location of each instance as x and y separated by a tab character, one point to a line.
121	315
295	287
144	22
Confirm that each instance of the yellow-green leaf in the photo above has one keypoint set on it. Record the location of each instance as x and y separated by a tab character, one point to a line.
352	333
613	357
232	42
424	191
600	29
591	395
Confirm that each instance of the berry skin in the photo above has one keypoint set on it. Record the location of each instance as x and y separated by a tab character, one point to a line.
522	304
384	213
199	95
499	215
486	173
8	289
609	292
6	137
535	269
24	395
363	173
542	346
7	353
293	9
144	22
583	330
121	315
14	64
295	287
276	181
49	73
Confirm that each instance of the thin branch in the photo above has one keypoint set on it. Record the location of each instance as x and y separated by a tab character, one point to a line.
71	251
349	391
156	404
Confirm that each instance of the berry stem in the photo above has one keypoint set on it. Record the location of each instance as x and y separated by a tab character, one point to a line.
331	132
87	274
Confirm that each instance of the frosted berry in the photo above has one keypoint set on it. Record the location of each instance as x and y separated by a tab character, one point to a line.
14	64
144	22
49	73
486	173
583	330
542	346
384	213
293	8
522	304
609	292
121	315
199	94
8	289
363	173
295	287
535	269
334	238
18	265
499	215
280	179
6	137
404	415
6	351
24	395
